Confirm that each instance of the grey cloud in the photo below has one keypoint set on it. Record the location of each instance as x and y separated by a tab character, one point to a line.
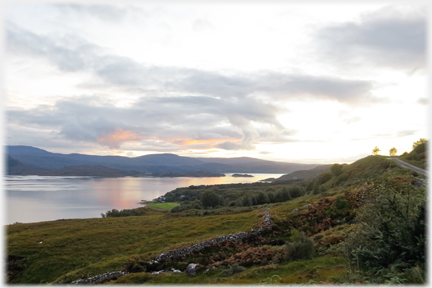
124	72
405	133
74	54
193	122
232	146
383	38
423	101
342	90
107	13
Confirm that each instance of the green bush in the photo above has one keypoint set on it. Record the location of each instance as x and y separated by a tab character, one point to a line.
390	238
124	212
299	247
134	265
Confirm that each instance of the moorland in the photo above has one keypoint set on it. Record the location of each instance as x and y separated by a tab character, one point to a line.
362	223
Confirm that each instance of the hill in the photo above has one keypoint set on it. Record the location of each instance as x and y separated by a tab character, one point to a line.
15	167
304	174
330	229
150	163
418	156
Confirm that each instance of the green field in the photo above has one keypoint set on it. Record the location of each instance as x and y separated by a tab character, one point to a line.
167	206
68	249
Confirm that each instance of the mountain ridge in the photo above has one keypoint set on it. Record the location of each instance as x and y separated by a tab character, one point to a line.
151	163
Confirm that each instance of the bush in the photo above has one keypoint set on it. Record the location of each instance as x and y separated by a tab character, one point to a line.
390	238
299	247
124	213
134	265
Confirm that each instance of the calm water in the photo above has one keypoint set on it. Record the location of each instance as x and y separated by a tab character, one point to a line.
46	198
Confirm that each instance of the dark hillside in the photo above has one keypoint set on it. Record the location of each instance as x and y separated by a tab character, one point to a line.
151	163
15	167
304	174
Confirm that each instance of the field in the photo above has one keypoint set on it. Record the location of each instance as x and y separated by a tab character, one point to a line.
71	248
168	205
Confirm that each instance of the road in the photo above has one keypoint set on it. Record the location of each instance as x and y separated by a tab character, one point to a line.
409	166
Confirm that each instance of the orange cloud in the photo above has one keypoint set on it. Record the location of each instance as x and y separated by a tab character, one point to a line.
115	139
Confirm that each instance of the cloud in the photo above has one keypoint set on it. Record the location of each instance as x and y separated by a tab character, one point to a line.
67	52
405	133
189	122
423	101
107	13
76	54
339	89
118	137
387	38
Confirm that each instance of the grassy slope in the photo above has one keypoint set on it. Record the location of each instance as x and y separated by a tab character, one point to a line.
417	157
93	246
72	248
168	205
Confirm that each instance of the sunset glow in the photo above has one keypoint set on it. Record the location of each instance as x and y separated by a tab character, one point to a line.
306	83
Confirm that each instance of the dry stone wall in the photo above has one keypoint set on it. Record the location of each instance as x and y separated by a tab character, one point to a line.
181	253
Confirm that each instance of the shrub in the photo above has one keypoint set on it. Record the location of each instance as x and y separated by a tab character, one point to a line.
134	265
390	238
124	213
299	247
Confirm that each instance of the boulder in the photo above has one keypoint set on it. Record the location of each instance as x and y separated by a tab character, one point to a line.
191	269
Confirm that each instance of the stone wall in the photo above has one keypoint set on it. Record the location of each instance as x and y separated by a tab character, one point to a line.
181	253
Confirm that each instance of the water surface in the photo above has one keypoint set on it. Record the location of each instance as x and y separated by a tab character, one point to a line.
46	198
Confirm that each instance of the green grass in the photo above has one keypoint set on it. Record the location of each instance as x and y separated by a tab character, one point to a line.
326	268
167	206
76	247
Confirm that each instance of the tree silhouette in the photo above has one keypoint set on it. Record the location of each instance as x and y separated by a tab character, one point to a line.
376	150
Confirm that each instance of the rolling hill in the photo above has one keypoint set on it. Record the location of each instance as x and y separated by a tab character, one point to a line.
154	163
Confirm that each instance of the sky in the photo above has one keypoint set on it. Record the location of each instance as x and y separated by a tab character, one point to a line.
318	82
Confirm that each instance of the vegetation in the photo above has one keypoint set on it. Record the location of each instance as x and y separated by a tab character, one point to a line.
166	205
354	224
124	212
393	151
418	156
376	150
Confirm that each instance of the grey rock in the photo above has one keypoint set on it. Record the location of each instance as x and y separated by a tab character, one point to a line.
191	269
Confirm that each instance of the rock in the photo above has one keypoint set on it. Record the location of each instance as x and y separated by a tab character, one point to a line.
175	270
191	269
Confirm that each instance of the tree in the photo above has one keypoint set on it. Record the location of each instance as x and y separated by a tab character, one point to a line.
210	199
336	169
376	150
393	151
421	141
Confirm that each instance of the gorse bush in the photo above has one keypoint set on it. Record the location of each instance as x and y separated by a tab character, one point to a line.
299	247
390	239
